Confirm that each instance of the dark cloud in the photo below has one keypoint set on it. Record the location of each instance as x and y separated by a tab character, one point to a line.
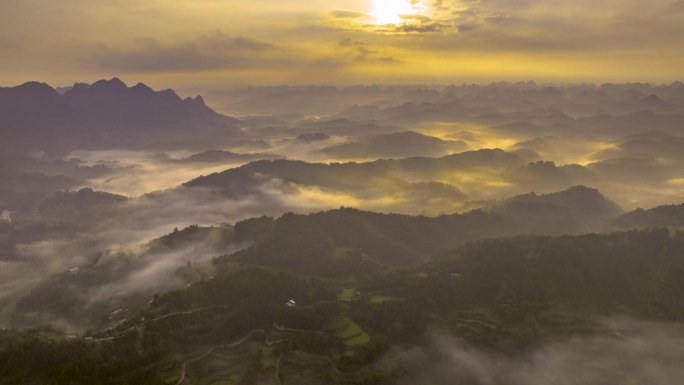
349	42
676	6
215	50
496	19
614	39
342	14
359	51
467	27
420	28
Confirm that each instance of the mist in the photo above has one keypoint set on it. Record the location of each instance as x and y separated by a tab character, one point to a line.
126	211
347	192
625	351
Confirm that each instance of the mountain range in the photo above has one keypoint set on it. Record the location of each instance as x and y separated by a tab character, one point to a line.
395	145
102	112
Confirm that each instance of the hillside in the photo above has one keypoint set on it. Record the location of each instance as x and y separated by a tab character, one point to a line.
412	185
507	297
396	145
349	241
663	216
337	174
578	209
103	114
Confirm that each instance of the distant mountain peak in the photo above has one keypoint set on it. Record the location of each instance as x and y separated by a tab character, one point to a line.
78	86
115	84
31	91
582	190
109	104
578	207
580	198
35	87
169	93
196	100
142	88
653	100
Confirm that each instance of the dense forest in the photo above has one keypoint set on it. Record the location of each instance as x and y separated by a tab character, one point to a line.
504	296
502	234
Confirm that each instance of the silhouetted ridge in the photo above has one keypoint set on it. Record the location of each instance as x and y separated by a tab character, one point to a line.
78	86
577	207
32	105
143	89
395	145
108	86
662	216
29	91
104	104
340	173
313	243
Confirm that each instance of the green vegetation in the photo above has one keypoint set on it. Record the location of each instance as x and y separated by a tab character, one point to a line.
671	216
377	299
350	332
349	243
505	296
347	294
65	296
358	339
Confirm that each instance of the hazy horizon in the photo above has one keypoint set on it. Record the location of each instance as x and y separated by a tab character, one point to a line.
177	43
341	192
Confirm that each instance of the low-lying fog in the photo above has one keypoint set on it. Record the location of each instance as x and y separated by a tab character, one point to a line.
415	150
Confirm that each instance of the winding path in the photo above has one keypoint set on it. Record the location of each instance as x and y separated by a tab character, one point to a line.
284	329
239	342
277	370
185	364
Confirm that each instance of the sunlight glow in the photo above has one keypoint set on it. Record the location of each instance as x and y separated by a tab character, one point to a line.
391	11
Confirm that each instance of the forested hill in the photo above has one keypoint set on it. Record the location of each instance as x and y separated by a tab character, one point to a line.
662	216
105	114
349	241
339	243
506	297
106	103
341	175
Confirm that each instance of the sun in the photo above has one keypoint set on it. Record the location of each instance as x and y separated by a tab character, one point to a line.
391	11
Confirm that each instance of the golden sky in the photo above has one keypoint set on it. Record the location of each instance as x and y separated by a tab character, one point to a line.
215	42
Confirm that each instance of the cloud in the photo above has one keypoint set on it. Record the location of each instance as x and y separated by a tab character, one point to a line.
293	42
531	26
358	51
342	14
217	51
630	351
423	21
421	28
214	50
7	46
156	271
350	43
676	6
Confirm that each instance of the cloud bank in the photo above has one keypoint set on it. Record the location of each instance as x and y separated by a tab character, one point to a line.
636	352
